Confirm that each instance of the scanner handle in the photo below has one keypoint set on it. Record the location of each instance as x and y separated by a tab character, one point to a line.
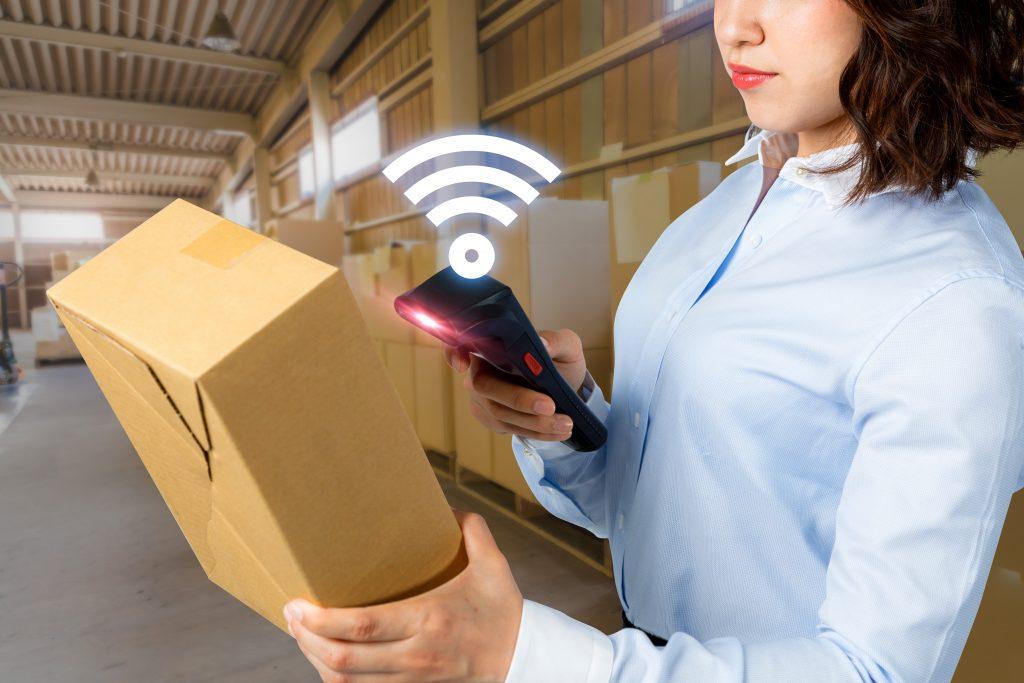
510	358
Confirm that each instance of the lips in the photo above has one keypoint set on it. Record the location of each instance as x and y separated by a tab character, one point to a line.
745	77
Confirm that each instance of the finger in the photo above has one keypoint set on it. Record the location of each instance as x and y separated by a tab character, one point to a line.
487	419
555	425
484	417
376	623
456	358
345	657
484	382
563	345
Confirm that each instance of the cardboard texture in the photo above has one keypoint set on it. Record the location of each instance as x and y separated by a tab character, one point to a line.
473	447
398	358
434	420
323	240
555	257
244	377
643	205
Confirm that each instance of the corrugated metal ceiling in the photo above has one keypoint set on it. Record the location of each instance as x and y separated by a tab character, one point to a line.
265	28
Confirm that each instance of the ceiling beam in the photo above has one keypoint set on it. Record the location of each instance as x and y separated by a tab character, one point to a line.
125	111
114	147
90	200
134	46
205	181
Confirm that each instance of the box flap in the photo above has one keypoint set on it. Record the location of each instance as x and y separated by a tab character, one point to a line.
174	460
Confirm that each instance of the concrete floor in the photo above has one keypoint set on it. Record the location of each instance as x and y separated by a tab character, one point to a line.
98	584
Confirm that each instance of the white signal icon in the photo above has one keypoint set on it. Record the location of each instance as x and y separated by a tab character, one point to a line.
471	174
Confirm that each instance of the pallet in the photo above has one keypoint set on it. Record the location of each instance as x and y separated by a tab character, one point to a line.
443	463
57	360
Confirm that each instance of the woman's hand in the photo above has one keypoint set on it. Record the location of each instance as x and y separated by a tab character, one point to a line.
508	408
463	630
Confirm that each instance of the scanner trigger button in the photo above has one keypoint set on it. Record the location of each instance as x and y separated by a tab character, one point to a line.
532	363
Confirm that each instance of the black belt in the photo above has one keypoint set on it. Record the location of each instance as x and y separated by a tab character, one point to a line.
626	623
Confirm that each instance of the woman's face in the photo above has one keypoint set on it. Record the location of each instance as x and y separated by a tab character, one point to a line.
805	44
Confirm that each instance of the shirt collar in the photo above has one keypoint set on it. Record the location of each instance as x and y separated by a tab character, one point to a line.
778	150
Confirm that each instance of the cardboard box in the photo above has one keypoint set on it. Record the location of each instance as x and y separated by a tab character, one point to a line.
473	446
643	205
506	468
398	358
61	348
46	326
427	259
392	268
358	270
323	240
599	362
247	382
555	257
67	261
434	421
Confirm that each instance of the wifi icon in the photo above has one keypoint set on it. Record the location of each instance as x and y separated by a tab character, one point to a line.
457	206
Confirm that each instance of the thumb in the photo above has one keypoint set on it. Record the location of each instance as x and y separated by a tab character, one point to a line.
480	544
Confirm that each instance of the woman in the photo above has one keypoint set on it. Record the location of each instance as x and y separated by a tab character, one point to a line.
817	422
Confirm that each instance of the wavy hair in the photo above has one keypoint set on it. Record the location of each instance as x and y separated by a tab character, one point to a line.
932	80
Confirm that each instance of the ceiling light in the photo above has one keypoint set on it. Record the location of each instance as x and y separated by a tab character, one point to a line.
221	36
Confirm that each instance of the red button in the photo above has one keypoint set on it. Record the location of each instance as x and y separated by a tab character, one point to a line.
532	363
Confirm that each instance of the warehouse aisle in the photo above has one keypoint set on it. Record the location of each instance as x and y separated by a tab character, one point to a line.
98	583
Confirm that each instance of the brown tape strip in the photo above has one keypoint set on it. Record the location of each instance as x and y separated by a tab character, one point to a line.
222	244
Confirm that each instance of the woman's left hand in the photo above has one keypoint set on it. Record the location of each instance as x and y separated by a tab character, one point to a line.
462	630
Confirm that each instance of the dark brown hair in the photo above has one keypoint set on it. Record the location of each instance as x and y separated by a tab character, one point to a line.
931	80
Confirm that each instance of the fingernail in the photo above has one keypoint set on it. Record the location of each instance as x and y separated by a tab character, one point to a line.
293	612
563	424
542	406
545	342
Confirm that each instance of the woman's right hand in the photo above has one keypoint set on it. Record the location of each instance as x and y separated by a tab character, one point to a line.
508	408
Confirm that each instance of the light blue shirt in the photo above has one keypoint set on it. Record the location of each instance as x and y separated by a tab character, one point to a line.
807	466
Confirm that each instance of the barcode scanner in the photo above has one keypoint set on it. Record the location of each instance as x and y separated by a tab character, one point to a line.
482	316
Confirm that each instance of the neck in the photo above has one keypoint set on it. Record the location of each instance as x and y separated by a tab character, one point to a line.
835	133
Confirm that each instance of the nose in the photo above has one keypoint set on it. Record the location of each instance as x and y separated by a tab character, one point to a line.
737	23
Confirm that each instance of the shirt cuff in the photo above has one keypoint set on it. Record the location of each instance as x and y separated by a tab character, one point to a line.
555	648
553	449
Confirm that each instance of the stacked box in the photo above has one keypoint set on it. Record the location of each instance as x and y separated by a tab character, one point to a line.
643	205
556	259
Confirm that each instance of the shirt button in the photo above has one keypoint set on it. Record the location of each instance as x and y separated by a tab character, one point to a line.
801	171
755	242
636	419
620	522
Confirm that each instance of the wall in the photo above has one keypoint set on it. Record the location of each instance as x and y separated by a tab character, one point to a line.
661	92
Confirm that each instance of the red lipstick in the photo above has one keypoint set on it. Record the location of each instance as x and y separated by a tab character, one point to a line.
745	77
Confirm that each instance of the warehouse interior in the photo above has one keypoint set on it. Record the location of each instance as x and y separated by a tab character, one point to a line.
280	116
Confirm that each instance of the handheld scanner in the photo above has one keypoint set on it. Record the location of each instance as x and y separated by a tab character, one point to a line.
482	316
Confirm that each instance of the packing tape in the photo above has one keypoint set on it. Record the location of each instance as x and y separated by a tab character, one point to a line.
221	245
